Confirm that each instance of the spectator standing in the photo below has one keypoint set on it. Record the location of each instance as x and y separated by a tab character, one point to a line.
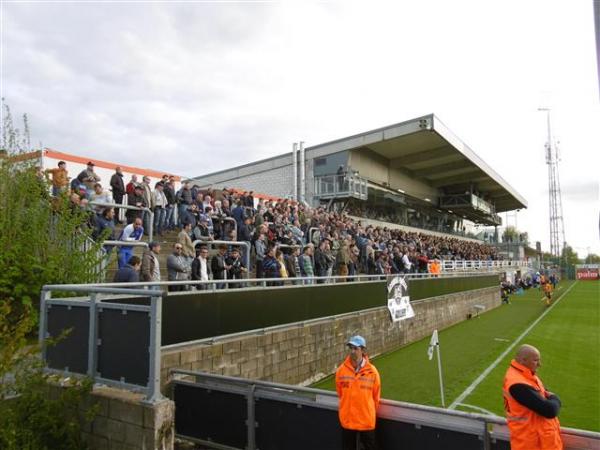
271	266
321	261
184	239
147	194
201	268
132	232
130	187
88	177
359	388
531	410
130	272
105	228
136	199
117	185
237	269
219	266
261	249
184	201
169	191
159	207
60	178
150	267
292	264
177	268
100	196
306	263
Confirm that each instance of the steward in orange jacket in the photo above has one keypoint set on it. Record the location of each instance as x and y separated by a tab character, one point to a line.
531	410
359	388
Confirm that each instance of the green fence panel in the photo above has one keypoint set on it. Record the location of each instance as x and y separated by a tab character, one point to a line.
198	315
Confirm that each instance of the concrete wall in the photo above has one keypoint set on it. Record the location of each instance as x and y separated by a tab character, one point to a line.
124	422
302	354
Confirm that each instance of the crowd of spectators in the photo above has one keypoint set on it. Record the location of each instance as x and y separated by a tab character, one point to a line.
287	239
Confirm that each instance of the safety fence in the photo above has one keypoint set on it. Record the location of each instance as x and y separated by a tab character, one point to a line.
114	343
208	311
233	413
451	265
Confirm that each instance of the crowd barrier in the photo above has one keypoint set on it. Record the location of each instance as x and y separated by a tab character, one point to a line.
114	343
223	412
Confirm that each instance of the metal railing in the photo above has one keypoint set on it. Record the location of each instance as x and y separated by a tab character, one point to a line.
245	244
259	283
71	319
283	406
134	208
450	265
341	185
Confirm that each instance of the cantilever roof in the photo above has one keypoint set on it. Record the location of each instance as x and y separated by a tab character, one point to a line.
427	150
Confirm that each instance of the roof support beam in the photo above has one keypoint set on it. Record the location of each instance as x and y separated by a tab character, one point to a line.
434	153
441	168
457	179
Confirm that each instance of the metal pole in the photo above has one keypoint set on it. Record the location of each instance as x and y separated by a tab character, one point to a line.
251	420
151	231
439	360
92	339
45	295
295	171
154	395
302	173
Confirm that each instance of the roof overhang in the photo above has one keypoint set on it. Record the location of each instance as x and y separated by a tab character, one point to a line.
425	149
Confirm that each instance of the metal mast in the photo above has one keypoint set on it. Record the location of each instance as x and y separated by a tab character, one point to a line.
557	226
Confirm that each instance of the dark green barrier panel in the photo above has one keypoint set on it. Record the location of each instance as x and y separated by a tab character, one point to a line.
433	287
196	315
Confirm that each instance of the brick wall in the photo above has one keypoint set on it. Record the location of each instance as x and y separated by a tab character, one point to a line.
302	354
125	422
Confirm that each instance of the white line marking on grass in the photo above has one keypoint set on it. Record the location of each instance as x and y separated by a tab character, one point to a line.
477	408
501	340
487	371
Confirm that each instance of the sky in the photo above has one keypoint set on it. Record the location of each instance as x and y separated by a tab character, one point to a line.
195	87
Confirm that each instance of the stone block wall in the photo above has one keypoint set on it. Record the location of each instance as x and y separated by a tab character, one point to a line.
123	421
305	353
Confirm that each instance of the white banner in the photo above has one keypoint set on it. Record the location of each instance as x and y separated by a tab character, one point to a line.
398	300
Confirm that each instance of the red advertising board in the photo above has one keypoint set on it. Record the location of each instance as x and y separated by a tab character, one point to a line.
588	272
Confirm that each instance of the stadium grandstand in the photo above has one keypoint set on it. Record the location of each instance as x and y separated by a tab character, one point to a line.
416	174
227	338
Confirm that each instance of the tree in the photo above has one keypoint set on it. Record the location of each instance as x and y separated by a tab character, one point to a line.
43	241
569	256
511	234
592	258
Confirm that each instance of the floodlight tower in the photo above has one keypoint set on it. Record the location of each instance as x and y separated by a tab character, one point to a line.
557	226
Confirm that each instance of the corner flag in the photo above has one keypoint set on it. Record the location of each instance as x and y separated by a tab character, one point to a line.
432	344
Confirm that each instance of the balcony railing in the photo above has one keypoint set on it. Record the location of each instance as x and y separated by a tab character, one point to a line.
340	186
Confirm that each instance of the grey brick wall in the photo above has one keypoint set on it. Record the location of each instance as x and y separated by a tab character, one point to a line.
306	353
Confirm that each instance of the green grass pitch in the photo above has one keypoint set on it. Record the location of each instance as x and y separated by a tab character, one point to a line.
568	338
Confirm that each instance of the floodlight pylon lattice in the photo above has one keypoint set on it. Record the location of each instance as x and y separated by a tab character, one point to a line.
557	226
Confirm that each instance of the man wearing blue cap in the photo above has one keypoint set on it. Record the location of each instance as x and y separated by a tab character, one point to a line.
359	388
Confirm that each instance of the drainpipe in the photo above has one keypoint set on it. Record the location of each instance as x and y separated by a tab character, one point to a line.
295	170
302	175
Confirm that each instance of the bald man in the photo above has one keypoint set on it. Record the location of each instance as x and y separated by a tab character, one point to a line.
531	410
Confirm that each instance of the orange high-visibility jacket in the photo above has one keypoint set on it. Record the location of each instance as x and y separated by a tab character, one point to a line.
359	395
528	430
548	288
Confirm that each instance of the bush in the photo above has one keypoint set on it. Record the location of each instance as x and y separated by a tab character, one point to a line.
44	240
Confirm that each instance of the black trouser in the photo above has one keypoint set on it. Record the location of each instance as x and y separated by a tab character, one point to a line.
355	440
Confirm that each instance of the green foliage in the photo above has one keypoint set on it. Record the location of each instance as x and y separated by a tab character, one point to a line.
44	240
592	259
569	256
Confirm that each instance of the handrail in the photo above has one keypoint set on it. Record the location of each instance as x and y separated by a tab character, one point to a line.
260	281
227	219
135	208
244	243
487	427
448	265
